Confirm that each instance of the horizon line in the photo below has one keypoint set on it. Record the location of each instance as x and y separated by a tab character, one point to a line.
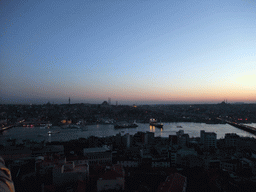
52	103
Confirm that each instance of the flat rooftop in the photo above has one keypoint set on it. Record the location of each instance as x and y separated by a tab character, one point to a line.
96	150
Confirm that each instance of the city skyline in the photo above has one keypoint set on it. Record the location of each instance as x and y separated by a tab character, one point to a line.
134	52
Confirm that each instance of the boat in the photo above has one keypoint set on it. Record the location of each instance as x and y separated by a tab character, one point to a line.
44	126
153	122
73	126
125	125
52	132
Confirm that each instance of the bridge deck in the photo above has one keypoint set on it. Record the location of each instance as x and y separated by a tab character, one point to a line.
247	128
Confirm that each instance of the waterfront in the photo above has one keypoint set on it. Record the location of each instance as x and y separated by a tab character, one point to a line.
99	130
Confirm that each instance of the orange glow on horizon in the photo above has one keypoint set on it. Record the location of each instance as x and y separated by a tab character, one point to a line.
203	94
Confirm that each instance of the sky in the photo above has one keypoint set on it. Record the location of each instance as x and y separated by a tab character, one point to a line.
132	51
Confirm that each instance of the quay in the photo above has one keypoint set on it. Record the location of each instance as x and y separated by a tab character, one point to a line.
243	127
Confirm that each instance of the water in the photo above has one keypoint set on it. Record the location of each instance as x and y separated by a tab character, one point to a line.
193	129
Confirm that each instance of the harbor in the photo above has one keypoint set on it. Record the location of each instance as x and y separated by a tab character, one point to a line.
104	130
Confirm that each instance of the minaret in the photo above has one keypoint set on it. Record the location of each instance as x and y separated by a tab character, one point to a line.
69	101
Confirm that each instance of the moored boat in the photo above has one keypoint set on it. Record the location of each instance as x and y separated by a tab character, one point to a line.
45	126
125	125
153	122
52	132
74	126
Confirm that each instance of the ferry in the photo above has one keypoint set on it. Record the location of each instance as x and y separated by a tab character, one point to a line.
74	126
153	122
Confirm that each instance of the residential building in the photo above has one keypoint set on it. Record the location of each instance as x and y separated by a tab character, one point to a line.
172	156
112	178
180	132
208	139
118	138
162	150
49	150
173	139
70	173
58	174
231	139
128	162
192	161
182	138
149	138
174	183
127	140
184	152
202	132
230	164
211	163
145	152
139	137
160	162
15	153
99	155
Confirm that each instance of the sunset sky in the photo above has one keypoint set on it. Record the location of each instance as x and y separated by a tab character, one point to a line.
135	52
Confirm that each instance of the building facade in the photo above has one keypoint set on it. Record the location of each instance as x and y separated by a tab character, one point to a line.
100	155
208	139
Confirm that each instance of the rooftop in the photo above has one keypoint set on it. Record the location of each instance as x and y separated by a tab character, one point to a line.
50	149
78	168
107	172
110	175
174	183
96	150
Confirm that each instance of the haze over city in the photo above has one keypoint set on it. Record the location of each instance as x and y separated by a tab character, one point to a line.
142	52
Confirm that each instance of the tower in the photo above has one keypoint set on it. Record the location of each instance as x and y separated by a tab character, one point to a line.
109	101
69	101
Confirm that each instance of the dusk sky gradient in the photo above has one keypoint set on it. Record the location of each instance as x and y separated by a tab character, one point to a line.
135	52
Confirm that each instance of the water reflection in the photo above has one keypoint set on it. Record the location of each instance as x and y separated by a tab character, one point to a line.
152	128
